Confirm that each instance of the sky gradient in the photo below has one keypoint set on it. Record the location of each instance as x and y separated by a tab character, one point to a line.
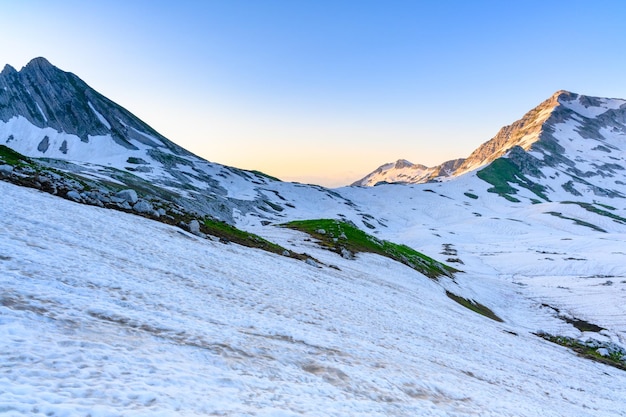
325	91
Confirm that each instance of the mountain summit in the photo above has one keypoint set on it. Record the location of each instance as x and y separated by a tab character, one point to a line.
565	143
54	116
403	171
44	96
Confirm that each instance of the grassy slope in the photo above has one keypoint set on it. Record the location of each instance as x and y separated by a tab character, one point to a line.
11	157
501	173
344	238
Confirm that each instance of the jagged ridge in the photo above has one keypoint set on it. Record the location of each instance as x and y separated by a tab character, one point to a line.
575	137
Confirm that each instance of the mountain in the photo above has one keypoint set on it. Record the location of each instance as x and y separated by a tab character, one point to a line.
570	143
46	97
54	116
131	296
405	172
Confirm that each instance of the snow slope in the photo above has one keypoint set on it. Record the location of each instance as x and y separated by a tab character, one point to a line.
104	314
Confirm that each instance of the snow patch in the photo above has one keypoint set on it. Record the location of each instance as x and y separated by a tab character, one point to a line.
100	117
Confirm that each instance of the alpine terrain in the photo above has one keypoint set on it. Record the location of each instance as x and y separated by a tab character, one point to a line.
139	279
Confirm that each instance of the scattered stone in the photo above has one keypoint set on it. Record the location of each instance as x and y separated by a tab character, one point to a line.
143	207
286	253
603	351
311	262
74	195
137	161
346	254
194	227
128	195
321	231
6	169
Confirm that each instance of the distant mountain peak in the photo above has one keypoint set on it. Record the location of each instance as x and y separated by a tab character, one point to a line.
39	62
403	171
48	97
403	163
7	70
571	133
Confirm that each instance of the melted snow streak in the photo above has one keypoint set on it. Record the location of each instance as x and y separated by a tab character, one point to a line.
106	314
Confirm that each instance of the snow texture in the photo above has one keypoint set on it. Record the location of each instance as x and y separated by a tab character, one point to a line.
103	313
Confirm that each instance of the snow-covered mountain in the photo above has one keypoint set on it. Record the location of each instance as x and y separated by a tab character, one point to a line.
107	313
405	172
52	115
569	142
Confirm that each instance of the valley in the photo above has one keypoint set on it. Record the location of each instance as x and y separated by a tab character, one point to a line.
141	279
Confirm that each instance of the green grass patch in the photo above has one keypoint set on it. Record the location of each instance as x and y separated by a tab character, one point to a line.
591	208
615	359
577	221
345	239
263	174
474	306
229	233
501	173
11	157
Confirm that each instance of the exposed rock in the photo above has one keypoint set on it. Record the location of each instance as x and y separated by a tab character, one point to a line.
194	227
6	169
128	195
74	195
311	262
44	144
143	206
603	351
346	254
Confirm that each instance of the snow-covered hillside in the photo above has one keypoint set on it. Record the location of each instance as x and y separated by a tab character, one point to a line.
105	313
51	114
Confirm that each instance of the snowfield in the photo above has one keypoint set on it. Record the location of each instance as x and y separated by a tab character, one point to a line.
103	313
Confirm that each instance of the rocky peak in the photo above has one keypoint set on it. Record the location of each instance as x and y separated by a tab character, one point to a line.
40	64
403	163
523	133
7	71
48	97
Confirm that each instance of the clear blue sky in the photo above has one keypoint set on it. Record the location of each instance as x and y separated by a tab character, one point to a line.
325	91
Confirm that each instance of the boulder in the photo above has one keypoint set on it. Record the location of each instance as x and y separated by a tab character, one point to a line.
128	195
143	207
194	227
6	169
74	195
311	262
